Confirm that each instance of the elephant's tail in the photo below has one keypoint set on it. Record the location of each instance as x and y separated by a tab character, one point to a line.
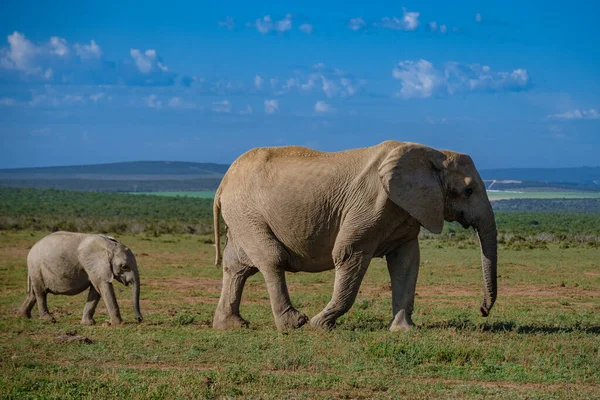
28	282
217	227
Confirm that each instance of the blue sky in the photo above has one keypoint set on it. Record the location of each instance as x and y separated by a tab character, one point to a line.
514	84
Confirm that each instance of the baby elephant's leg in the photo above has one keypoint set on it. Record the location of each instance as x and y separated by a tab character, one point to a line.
90	307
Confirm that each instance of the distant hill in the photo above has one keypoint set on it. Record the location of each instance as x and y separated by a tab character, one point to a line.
156	176
120	171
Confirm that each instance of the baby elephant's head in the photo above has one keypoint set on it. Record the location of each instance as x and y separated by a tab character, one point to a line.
125	270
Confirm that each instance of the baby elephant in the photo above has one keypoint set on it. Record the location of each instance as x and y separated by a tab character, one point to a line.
69	263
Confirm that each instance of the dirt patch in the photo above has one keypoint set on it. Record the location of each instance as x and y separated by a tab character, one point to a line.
186	284
72	337
592	274
546	387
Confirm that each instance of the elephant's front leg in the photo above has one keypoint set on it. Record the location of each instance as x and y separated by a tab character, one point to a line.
286	316
110	299
349	272
403	265
90	307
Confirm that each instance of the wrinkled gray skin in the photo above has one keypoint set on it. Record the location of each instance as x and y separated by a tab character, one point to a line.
69	263
295	209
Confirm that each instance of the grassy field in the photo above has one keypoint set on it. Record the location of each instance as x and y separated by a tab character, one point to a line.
541	340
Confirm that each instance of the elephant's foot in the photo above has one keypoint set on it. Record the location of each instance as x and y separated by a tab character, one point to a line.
48	318
322	321
230	321
24	314
88	321
291	319
402	322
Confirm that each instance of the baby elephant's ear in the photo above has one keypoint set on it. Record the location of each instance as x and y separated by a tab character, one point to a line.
95	255
410	177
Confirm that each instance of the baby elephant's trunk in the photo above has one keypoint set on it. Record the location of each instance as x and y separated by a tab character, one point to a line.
135	290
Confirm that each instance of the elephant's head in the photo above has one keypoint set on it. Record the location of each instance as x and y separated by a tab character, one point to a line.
433	186
125	270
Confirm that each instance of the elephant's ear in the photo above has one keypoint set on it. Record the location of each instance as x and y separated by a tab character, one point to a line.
95	255
409	175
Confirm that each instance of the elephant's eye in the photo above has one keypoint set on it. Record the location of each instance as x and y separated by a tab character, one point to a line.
125	267
468	191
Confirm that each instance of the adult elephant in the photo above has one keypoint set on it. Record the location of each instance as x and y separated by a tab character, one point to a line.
296	209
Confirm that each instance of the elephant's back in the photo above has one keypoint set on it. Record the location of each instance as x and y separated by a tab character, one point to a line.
55	249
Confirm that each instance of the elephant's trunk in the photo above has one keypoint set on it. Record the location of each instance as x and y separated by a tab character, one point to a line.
487	233
135	291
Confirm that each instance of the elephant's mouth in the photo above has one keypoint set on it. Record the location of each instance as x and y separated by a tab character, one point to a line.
465	225
122	280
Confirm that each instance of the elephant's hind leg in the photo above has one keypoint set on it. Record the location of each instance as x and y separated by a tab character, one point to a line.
25	310
235	273
40	297
90	307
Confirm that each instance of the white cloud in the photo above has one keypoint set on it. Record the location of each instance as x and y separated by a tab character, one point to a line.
433	26
592	113
356	24
59	46
435	121
96	97
330	88
409	21
306	28
152	102
227	23
179	103
247	110
56	61
332	82
420	79
266	24
88	51
21	54
147	61
284	24
322	107
477	17
221	106
258	81
271	106
7	101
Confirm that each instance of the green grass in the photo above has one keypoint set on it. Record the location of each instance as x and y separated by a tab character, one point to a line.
500	195
540	341
202	195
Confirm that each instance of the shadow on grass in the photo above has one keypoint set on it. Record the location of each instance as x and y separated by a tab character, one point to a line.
511	326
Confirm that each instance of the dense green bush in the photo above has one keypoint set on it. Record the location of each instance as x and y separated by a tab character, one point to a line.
53	210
